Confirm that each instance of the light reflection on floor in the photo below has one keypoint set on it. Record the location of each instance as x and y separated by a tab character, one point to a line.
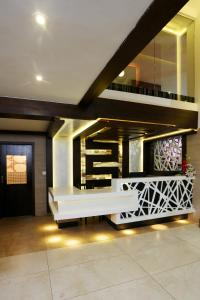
182	222
159	227
129	231
29	234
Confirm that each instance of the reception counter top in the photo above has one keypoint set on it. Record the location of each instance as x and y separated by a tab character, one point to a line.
70	202
64	193
128	200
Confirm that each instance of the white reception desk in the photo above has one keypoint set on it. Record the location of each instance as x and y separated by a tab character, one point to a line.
128	200
158	197
71	203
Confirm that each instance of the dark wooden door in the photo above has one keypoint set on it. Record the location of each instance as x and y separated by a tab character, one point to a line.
16	172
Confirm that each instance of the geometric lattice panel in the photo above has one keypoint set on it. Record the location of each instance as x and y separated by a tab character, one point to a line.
16	172
156	198
168	154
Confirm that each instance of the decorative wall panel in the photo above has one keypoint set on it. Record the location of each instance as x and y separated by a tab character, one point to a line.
16	169
159	198
168	154
136	156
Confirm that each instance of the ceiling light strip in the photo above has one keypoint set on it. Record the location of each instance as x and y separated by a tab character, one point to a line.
135	122
169	134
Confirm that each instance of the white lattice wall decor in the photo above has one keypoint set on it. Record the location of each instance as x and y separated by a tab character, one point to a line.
168	154
158	197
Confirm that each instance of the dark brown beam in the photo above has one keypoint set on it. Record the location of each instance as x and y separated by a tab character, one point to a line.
40	110
23	132
124	110
100	108
151	23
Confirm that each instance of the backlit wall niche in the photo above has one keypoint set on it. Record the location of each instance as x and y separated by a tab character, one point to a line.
100	162
136	155
168	154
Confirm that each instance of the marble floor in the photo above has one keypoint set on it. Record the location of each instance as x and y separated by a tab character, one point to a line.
95	262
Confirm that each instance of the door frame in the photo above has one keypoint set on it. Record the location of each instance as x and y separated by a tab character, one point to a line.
33	168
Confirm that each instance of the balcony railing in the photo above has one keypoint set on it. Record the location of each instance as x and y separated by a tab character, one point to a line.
149	92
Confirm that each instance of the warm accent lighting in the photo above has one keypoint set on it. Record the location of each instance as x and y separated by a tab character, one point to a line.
102	237
136	122
39	78
40	19
175	32
51	227
104	129
169	134
159	227
54	239
72	243
128	232
121	74
182	221
84	127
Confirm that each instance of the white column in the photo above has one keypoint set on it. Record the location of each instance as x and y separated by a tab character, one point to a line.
62	162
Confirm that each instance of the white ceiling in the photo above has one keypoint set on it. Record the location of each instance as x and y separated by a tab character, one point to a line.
80	38
23	125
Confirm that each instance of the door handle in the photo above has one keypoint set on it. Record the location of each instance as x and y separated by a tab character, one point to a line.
2	179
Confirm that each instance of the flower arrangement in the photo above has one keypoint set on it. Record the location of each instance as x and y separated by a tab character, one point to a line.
187	168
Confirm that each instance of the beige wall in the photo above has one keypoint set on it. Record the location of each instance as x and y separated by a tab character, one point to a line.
40	166
193	151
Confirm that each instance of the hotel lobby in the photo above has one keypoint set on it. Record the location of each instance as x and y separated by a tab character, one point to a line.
99	150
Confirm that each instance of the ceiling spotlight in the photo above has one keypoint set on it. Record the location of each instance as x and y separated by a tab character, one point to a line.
39	77
121	74
40	19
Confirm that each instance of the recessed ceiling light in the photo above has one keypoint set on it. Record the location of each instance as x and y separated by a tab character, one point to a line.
40	19
121	74
39	77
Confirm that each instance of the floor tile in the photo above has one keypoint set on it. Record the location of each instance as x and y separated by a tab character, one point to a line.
135	245
166	256
183	283
20	235
58	258
31	287
20	265
189	233
81	279
143	289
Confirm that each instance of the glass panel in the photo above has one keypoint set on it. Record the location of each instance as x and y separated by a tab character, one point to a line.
165	62
165	67
16	170
136	156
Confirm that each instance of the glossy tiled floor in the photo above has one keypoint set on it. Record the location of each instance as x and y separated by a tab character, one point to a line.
95	262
